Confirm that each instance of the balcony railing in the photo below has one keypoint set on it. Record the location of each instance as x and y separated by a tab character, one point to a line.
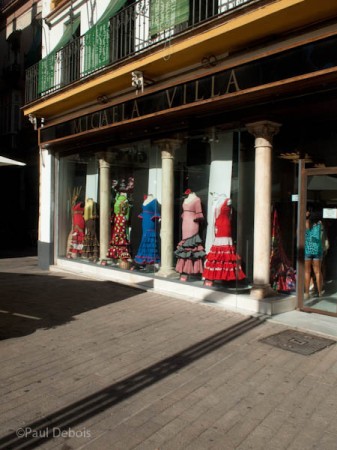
133	30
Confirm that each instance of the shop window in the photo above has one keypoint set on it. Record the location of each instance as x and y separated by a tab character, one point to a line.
213	177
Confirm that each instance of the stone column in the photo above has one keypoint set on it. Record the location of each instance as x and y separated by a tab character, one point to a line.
263	132
167	148
104	205
45	244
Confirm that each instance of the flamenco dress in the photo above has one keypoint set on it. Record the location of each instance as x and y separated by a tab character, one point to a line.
90	242
222	261
190	251
119	244
148	252
78	231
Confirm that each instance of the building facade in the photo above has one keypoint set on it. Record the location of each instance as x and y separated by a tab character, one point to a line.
20	36
181	140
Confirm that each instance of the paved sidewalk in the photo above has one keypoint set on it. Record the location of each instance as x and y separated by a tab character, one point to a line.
97	365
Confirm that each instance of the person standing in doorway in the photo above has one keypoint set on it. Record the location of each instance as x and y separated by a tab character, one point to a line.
313	252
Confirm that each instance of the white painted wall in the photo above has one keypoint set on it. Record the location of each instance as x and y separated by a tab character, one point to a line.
46	196
89	10
91	190
155	174
220	178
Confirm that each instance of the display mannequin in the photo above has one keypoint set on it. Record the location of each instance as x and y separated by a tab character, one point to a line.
90	242
190	198
190	251
222	262
148	251
148	199
119	244
78	228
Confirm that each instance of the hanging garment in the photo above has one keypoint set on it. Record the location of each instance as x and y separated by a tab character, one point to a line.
282	275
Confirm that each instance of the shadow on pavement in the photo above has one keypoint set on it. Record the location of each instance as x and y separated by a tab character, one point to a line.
18	253
32	301
42	430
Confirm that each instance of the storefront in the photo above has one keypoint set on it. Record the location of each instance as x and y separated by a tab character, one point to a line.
231	141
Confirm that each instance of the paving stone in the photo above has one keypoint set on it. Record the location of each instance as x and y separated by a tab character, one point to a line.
144	371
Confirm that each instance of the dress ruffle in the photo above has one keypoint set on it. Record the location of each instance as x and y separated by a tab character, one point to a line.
223	263
148	252
119	244
190	254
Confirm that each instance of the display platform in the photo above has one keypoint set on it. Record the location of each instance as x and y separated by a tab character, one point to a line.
232	299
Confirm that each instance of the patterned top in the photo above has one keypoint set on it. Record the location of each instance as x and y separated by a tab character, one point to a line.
313	241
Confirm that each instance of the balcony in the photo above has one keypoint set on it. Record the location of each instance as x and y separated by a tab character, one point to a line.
130	32
99	64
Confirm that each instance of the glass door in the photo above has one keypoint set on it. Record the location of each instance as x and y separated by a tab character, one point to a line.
317	246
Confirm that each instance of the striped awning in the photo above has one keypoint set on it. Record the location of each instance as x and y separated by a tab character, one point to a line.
10	162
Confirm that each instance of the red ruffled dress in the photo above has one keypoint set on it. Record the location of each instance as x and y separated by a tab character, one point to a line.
78	231
222	261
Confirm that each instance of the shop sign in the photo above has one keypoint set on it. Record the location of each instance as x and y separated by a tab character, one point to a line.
291	63
329	213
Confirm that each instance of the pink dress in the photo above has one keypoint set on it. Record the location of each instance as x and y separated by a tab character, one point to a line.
190	251
222	261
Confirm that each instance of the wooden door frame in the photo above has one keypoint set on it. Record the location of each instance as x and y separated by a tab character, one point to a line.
303	174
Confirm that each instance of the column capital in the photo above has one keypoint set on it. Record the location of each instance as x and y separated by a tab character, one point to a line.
103	159
264	130
168	147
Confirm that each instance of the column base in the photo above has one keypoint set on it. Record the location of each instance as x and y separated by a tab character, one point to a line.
261	292
45	252
166	272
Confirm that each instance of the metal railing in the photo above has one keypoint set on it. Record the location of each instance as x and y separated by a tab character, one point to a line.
131	31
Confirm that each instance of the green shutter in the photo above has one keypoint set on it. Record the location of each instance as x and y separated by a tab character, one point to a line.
46	78
97	39
165	14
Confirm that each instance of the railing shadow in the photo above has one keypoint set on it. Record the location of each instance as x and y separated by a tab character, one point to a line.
98	402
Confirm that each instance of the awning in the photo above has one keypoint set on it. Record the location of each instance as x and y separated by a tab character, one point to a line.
10	162
69	31
97	39
46	78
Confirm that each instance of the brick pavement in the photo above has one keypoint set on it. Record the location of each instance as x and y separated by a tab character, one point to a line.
96	365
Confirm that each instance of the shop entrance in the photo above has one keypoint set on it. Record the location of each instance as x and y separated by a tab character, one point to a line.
317	218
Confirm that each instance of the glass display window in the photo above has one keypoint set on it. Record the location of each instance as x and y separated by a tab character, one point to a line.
77	204
212	213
